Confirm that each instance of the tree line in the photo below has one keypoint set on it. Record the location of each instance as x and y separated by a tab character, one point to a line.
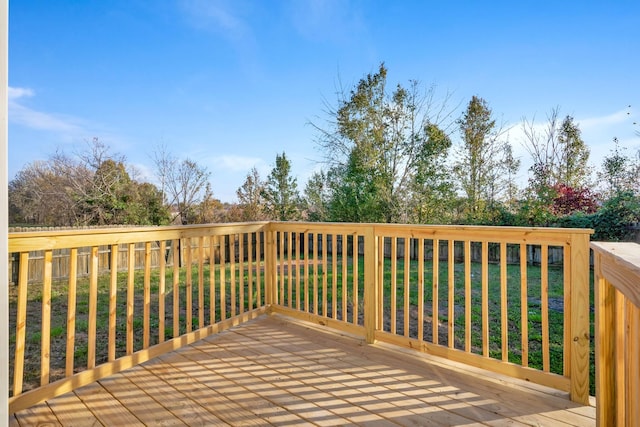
388	156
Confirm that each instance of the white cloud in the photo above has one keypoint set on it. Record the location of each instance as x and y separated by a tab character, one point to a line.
238	163
334	20
221	16
25	116
604	121
18	92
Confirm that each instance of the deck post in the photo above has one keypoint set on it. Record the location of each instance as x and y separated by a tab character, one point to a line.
370	284
269	266
4	207
580	312
605	300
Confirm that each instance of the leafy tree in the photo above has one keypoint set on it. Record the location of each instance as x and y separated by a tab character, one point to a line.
372	146
481	164
573	168
106	199
619	172
281	197
317	197
432	189
250	197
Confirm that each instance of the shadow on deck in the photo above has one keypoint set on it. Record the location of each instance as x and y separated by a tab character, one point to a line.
275	371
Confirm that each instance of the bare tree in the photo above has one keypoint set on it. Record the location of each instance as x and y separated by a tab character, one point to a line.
183	183
250	197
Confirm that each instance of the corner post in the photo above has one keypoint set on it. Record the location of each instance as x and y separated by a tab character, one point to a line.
605	327
269	267
580	311
370	284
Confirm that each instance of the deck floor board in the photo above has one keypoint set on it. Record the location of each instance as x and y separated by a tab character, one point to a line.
274	371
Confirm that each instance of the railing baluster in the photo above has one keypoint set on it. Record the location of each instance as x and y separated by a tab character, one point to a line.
566	354
259	248
306	271
113	295
93	308
406	285
130	295
21	323
223	277
504	318
290	256
175	246
544	306
380	317
485	298
451	300
250	267
213	243
394	283
524	306
281	264
201	282
71	311
356	283
162	292
232	272
146	307
334	276
467	296
314	240
435	291
241	261
325	276
345	288
188	284
296	254
421	289
45	338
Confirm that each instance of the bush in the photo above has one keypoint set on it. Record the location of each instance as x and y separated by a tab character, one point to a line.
614	220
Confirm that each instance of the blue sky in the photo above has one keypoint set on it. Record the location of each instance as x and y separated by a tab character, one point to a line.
231	84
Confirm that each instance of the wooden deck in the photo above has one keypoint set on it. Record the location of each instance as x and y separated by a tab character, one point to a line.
273	371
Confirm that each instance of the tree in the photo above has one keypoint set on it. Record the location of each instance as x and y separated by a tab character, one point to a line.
619	173
372	146
573	168
281	197
559	154
41	194
92	188
184	183
250	197
481	165
432	189
317	197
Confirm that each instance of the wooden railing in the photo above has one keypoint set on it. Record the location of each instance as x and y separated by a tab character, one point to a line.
419	287
525	321
77	331
617	330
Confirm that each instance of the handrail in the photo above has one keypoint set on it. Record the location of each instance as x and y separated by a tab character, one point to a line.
430	288
617	330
